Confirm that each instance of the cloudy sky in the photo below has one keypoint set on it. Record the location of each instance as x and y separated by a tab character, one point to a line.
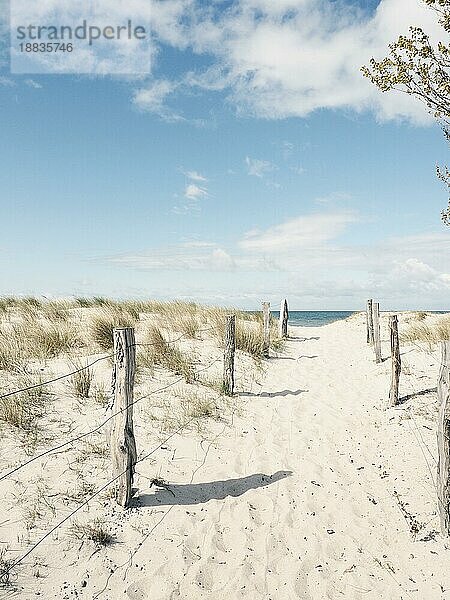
252	162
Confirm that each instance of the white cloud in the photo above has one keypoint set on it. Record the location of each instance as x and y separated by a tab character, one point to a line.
194	175
332	198
152	98
299	170
258	167
307	258
33	84
183	257
7	82
294	66
195	192
272	59
122	56
304	231
290	58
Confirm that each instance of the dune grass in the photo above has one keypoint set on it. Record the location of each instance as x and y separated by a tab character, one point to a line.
105	320
430	333
81	381
96	531
24	409
35	339
249	332
6	566
160	352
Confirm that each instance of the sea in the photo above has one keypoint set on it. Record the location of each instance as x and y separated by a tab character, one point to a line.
314	318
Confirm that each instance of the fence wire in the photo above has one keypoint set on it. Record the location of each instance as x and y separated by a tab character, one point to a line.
17	562
88	366
99	427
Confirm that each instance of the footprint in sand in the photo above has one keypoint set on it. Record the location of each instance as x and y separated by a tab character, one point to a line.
136	591
144	589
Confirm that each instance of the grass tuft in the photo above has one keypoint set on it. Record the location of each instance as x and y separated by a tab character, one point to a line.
6	565
81	381
95	532
166	355
24	409
431	333
107	319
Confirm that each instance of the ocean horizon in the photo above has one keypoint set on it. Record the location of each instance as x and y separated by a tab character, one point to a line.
318	318
315	318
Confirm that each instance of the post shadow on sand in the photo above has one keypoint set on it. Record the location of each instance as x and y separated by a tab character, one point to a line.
199	493
303	339
416	395
274	394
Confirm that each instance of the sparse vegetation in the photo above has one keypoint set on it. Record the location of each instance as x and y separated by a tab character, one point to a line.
24	409
197	405
6	565
94	531
188	326
160	352
81	381
100	395
430	333
34	338
103	323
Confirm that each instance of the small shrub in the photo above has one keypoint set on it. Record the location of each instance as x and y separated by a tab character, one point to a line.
100	301
83	302
249	340
249	334
5	304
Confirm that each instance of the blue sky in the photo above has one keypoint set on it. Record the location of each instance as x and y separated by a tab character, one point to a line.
253	162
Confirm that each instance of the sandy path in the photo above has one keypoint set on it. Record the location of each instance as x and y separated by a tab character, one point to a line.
311	513
296	500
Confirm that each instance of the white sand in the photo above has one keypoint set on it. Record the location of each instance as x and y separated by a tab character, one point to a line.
297	496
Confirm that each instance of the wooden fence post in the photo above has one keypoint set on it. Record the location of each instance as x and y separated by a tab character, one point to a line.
284	317
122	442
376	331
266	329
369	314
396	360
228	358
443	436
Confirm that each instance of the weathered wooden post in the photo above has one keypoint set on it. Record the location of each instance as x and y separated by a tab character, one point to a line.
228	358
376	331
396	360
266	329
122	442
284	317
443	436
369	321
